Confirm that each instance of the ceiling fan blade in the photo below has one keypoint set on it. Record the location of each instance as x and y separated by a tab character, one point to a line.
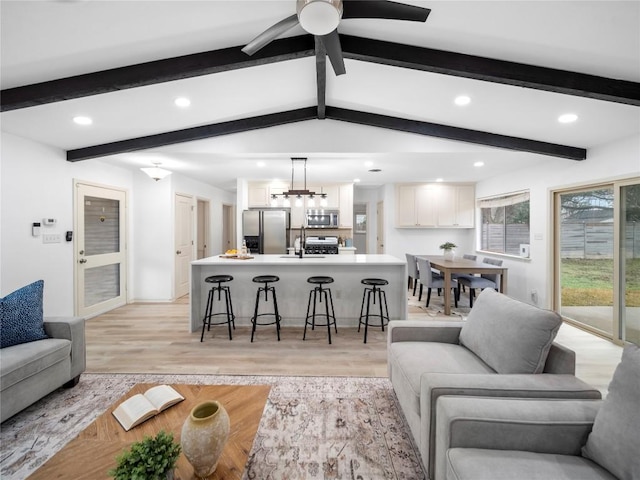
331	42
270	34
384	9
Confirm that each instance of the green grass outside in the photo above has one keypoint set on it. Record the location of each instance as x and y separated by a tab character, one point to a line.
589	282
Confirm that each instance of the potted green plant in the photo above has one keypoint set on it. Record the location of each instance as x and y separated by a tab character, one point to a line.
153	458
449	251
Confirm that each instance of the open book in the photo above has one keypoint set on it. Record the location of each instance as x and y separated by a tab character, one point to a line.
141	407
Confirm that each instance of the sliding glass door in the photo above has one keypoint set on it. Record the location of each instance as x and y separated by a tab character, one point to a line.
597	258
630	262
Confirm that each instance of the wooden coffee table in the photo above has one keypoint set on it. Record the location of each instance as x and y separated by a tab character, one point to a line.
93	452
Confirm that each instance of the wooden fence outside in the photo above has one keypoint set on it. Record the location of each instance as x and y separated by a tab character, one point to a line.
595	240
578	240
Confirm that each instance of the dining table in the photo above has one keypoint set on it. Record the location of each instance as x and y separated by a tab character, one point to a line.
463	265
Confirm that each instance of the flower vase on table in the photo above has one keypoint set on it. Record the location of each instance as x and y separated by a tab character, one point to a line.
449	251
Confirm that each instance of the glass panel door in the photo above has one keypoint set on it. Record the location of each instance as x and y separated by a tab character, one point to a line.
100	249
630	262
585	260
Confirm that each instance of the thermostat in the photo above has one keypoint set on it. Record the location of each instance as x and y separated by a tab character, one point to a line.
49	221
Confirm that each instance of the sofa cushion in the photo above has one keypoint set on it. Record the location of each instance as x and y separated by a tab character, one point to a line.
508	335
615	438
22	361
417	358
21	316
479	464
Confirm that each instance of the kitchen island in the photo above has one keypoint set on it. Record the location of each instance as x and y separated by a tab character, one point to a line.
293	290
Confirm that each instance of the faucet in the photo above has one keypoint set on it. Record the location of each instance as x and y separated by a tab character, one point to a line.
301	241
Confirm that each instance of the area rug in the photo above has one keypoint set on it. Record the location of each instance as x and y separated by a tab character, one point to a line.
347	428
417	308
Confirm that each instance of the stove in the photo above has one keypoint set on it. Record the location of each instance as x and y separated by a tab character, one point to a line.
321	245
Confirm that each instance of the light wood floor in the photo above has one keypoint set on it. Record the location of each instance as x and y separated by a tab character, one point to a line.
154	338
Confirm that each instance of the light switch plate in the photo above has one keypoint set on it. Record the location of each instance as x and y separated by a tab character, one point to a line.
51	238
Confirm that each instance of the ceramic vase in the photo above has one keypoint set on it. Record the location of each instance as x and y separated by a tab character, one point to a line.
449	255
204	435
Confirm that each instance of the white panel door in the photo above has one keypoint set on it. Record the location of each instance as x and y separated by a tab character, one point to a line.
100	249
184	243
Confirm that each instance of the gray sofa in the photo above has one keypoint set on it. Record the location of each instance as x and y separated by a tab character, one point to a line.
29	371
488	438
504	349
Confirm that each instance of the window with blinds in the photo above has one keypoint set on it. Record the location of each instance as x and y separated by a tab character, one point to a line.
504	223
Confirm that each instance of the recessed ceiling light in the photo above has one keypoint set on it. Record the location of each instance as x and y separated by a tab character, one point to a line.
368	164
568	118
439	180
462	100
478	164
82	120
182	102
356	180
260	164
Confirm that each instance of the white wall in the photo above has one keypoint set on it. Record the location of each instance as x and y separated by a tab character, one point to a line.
616	160
37	182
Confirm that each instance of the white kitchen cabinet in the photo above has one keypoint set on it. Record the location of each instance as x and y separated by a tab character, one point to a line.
259	196
457	206
333	194
435	205
346	205
416	206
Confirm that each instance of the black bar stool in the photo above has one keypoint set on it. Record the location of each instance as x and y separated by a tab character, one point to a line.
228	311
317	294
372	288
266	280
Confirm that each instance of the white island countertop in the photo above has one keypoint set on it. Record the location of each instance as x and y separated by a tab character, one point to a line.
305	260
293	288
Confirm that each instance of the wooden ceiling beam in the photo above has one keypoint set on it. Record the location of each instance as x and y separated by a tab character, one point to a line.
364	49
150	73
456	133
192	134
335	113
321	77
491	70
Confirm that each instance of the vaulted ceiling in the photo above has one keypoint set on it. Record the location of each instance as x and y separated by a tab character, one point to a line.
122	63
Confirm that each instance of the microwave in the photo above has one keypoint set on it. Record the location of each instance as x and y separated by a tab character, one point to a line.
320	218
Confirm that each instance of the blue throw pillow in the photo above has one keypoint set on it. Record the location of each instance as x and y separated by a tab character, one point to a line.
21	318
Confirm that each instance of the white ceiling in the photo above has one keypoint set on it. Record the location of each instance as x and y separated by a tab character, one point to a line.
45	40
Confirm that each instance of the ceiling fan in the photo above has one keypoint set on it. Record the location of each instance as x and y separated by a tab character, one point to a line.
321	18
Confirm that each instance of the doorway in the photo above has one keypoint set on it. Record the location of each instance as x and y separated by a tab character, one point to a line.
100	256
184	243
202	234
228	228
597	258
360	227
380	227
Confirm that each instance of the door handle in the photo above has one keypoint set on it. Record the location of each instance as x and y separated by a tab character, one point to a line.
82	260
178	252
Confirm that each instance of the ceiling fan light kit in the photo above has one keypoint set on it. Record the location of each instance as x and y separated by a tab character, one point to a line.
319	17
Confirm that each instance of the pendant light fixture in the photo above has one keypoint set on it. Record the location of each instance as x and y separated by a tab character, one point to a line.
156	172
298	194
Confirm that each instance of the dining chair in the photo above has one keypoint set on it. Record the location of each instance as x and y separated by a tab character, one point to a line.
466	256
414	273
485	280
434	280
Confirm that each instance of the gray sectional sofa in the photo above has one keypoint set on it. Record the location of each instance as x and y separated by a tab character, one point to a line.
504	349
29	371
489	438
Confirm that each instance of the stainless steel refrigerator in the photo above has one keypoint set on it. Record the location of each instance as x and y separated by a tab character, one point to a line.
266	231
